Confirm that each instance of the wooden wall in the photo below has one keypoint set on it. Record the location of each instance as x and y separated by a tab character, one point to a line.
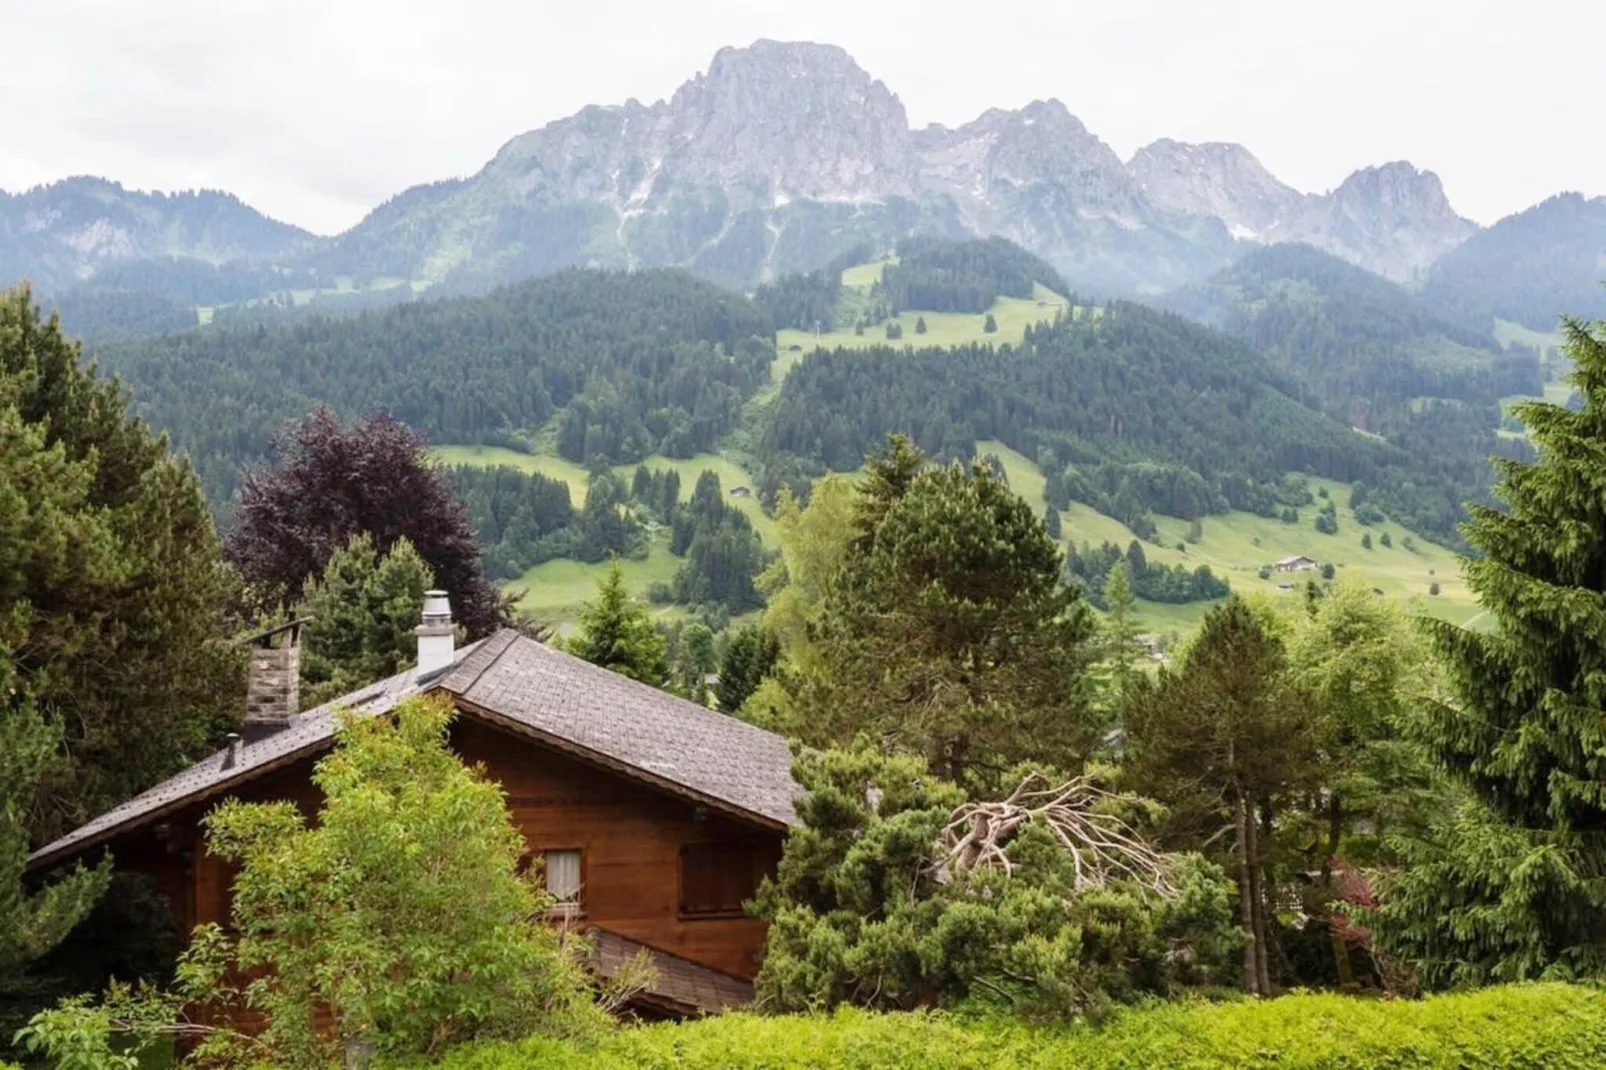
630	836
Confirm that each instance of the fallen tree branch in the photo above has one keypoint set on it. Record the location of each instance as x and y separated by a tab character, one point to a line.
1101	846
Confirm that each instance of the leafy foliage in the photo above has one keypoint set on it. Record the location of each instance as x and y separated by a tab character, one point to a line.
334	484
1515	1027
400	918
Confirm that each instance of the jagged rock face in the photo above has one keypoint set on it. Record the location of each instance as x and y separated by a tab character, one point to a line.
802	120
1215	179
1393	220
779	158
62	233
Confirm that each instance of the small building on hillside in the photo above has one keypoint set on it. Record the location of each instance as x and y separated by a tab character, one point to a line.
741	492
1297	563
651	818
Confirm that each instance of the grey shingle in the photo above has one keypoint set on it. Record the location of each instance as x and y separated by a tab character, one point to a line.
569	703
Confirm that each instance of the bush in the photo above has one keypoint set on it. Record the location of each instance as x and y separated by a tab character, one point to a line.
1528	1026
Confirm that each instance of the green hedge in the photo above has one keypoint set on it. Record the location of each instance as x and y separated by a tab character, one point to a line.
1541	1026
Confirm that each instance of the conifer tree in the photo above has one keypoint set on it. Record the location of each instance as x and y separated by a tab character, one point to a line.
989	325
616	632
364	609
1120	635
948	633
112	593
1524	894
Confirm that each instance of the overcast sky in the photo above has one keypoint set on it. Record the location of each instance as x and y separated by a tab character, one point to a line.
315	111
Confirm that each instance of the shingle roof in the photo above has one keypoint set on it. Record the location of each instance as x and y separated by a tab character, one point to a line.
681	986
629	726
510	679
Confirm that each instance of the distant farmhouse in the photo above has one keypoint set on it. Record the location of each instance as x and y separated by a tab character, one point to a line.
741	492
1298	563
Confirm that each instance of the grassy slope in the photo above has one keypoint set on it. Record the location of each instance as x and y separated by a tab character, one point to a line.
554	590
1229	546
1012	314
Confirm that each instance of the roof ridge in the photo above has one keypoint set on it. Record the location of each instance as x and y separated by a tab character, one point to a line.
496	644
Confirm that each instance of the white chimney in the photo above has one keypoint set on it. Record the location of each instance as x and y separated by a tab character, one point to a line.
436	634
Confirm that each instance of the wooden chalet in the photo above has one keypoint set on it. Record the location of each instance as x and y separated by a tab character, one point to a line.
653	818
1297	563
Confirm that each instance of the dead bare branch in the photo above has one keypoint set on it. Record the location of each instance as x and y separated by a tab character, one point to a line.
1102	847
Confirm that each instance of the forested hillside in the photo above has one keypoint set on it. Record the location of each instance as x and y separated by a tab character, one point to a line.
1136	410
654	362
1530	268
1358	345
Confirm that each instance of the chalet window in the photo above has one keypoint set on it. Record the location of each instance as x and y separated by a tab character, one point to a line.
563	882
715	878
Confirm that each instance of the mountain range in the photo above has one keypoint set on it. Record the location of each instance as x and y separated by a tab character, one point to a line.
779	158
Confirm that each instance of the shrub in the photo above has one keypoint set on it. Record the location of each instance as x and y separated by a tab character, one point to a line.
1528	1026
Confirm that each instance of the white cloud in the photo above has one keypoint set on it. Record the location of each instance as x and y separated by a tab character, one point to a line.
316	111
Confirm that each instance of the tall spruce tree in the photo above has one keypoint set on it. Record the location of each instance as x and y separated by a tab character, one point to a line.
1525	731
112	591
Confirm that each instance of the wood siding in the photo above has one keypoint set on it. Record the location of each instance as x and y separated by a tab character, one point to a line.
630	837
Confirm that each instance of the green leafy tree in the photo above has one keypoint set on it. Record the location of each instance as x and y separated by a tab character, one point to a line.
949	633
989	325
1525	730
1222	739
364	609
112	591
616	632
1366	541
871	907
399	917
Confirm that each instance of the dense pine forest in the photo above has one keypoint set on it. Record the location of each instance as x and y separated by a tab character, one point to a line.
1359	346
631	365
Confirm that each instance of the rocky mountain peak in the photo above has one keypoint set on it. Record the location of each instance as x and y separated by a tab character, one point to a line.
1214	178
1392	219
803	118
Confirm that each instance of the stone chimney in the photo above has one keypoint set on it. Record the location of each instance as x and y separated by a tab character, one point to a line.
273	689
437	635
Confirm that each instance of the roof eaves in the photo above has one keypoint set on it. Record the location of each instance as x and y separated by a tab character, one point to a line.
634	772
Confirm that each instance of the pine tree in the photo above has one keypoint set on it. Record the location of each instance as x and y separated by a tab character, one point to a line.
1120	635
920	325
364	609
1051	523
112	594
949	633
1220	739
749	658
989	325
616	632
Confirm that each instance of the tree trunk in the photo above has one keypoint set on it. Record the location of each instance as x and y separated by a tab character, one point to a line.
1264	892
1246	896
